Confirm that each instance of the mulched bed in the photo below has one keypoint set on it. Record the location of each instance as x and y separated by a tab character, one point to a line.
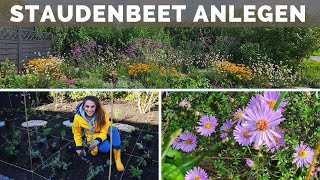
19	166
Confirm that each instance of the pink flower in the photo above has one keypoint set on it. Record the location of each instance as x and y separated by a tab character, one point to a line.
70	82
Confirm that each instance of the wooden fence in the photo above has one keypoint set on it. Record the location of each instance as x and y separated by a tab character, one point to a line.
20	45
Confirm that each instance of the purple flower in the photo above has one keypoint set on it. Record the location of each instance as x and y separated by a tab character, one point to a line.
241	135
279	141
91	44
185	103
76	51
271	98
207	125
261	122
226	128
238	116
255	101
315	170
197	173
70	82
176	144
188	141
303	155
130	49
249	162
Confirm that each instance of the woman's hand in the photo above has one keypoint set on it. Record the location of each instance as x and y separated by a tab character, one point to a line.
92	145
79	152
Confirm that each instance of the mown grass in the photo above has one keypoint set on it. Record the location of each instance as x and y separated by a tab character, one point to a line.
316	53
310	72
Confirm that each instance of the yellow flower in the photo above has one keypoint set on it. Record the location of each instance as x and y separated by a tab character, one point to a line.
46	67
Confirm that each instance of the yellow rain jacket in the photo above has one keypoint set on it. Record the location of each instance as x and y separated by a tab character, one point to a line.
79	123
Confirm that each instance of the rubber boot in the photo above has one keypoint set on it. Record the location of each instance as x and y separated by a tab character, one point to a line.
117	159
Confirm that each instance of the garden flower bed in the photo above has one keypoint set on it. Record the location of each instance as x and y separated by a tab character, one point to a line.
240	135
204	57
53	147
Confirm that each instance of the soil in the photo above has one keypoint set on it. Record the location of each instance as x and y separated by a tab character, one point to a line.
19	166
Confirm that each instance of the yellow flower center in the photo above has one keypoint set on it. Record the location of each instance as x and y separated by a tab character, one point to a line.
182	103
238	116
197	178
188	141
246	134
272	104
302	153
207	125
262	124
227	129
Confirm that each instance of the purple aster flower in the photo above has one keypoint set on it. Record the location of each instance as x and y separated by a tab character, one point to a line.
238	116
188	141
255	101
249	162
303	155
176	144
241	135
226	128
271	98
185	103
207	125
279	141
197	173
261	122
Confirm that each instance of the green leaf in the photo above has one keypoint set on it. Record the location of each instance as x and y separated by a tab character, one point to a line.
176	175
282	95
193	161
174	157
172	138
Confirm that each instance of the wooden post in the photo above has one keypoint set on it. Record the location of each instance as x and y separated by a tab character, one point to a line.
19	49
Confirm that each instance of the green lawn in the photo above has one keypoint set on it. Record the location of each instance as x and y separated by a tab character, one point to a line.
310	71
316	53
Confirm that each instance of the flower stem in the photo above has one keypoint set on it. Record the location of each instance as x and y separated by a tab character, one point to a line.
314	159
249	149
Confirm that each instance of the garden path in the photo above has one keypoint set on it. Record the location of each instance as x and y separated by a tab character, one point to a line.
315	58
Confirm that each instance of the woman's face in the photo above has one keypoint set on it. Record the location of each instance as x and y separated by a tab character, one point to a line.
89	108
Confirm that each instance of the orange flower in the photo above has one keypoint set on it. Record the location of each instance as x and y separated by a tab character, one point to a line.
240	71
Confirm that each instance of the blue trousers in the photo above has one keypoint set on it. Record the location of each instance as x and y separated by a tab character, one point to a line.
104	146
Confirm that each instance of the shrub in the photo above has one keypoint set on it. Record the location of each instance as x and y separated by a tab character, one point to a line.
190	83
310	73
7	72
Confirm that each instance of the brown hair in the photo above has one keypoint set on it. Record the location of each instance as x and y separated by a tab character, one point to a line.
99	113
